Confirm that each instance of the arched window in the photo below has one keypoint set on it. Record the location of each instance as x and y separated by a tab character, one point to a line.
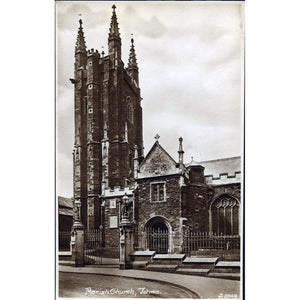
129	110
224	213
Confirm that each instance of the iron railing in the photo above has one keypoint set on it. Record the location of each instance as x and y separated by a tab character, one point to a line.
158	240
94	250
193	241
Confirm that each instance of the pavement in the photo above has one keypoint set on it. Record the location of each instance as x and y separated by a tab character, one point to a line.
201	287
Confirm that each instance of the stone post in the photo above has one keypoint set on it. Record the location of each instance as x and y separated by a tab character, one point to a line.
126	236
181	233
77	236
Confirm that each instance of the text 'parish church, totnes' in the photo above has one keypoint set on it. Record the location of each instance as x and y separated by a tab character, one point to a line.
164	195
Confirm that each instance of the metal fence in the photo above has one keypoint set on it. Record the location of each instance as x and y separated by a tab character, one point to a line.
64	238
193	241
158	240
94	250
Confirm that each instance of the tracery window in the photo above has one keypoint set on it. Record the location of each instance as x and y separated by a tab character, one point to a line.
225	215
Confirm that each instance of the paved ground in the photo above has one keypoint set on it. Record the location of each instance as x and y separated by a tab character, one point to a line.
204	287
104	286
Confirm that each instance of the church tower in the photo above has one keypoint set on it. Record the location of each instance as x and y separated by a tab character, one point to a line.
108	122
80	142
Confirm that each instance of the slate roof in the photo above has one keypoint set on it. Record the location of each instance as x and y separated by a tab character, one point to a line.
65	211
65	202
216	167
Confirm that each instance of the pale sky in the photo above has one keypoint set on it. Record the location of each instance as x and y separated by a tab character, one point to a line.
190	57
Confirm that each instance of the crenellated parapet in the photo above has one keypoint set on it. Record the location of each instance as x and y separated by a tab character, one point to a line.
93	52
118	192
223	178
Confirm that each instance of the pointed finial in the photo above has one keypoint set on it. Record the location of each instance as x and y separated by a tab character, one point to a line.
180	152
157	137
132	63
80	42
180	145
80	21
114	29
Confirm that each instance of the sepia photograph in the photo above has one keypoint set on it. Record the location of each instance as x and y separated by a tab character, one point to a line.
149	149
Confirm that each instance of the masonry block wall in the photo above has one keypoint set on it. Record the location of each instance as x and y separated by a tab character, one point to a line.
170	209
196	207
108	122
111	223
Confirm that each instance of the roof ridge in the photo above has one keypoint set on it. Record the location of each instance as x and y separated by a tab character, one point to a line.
220	159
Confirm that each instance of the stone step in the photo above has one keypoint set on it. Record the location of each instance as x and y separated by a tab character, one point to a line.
64	255
142	255
162	267
200	262
189	271
228	264
67	263
226	270
169	258
140	264
234	276
227	267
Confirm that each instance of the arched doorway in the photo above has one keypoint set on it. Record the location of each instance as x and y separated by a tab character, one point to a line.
224	215
157	235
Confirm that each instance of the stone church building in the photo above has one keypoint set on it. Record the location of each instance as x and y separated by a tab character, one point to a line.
165	195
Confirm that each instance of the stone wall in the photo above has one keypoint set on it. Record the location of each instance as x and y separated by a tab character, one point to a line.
195	207
169	210
111	235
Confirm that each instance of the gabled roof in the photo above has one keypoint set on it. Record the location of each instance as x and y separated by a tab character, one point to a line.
158	162
156	145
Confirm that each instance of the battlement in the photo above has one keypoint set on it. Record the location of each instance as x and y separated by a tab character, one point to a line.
118	192
92	52
223	178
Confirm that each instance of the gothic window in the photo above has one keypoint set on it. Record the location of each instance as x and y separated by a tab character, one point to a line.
225	215
158	192
129	110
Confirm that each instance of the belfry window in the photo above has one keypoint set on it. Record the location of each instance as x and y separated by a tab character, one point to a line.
158	192
224	213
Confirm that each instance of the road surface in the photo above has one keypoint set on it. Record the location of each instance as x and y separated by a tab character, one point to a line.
104	286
